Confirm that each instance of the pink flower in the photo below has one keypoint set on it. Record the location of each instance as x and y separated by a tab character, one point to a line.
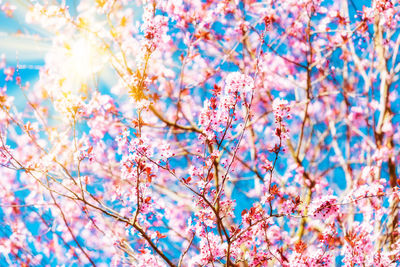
4	155
9	72
211	248
325	207
238	82
368	173
267	166
281	109
146	258
356	116
358	248
154	28
381	155
387	128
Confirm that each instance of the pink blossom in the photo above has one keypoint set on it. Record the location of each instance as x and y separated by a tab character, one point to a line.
153	27
238	82
280	108
356	116
382	154
324	208
5	156
9	72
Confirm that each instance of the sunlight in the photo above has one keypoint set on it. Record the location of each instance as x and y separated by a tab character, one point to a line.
83	61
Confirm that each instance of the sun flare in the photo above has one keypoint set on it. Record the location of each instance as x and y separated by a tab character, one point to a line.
82	61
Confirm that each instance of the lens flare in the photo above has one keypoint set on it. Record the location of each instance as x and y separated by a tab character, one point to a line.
83	61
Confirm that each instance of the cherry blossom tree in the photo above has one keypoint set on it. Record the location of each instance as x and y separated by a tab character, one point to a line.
200	133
